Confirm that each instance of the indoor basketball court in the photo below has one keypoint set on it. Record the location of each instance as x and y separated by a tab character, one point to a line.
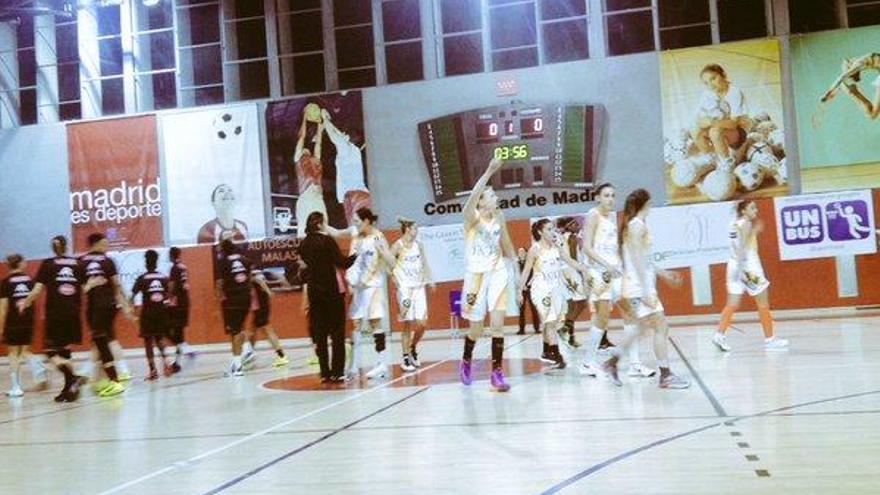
439	247
754	422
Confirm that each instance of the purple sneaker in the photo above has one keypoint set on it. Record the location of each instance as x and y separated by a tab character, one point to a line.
610	367
464	371
498	380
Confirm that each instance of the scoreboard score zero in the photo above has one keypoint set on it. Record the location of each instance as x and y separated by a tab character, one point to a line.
550	145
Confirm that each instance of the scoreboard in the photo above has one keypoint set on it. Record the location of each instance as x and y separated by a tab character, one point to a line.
551	145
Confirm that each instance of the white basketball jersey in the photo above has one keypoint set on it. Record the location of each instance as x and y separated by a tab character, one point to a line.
366	269
634	248
483	246
605	237
408	270
737	242
547	270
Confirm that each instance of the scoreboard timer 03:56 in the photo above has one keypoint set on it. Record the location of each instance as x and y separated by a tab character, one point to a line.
549	145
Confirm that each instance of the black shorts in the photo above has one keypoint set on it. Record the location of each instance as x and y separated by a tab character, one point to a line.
178	317
18	335
62	330
261	317
233	319
101	322
154	325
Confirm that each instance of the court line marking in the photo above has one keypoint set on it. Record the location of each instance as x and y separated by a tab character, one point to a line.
719	409
146	389
625	455
266	465
260	433
443	425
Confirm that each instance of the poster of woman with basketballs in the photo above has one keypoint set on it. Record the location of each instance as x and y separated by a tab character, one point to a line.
317	160
722	122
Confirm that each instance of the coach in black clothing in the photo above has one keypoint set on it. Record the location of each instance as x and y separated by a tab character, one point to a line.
326	304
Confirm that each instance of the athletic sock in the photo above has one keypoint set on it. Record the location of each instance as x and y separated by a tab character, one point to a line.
633	351
554	352
497	352
16	380
110	369
546	348
468	348
69	377
664	372
379	340
38	371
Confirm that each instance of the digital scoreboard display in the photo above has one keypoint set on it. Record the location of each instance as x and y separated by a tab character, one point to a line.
551	145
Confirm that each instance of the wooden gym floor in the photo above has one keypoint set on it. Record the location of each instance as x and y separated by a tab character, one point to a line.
800	421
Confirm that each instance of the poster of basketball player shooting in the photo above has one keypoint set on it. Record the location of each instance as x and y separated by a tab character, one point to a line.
214	187
837	97
723	122
317	160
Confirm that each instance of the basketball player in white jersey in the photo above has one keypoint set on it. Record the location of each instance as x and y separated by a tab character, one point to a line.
745	274
639	303
576	288
600	246
366	278
549	261
411	275
487	280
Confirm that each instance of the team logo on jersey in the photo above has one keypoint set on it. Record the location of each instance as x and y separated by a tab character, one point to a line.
407	303
21	290
546	301
241	278
471	298
66	290
65	273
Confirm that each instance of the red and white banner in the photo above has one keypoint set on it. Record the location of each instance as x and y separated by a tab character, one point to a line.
114	182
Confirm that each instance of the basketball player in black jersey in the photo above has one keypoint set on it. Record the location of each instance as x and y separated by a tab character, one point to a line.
153	287
103	294
63	280
233	288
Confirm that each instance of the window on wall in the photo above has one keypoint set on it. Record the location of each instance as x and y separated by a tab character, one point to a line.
109	19
154	60
402	33
564	30
629	26
199	52
67	50
684	23
355	56
862	12
26	56
513	34
247	64
301	46
742	19
462	25
813	15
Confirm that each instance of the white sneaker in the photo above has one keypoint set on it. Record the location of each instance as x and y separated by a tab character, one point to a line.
721	341
379	371
235	370
775	344
640	371
15	392
587	369
407	364
248	357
